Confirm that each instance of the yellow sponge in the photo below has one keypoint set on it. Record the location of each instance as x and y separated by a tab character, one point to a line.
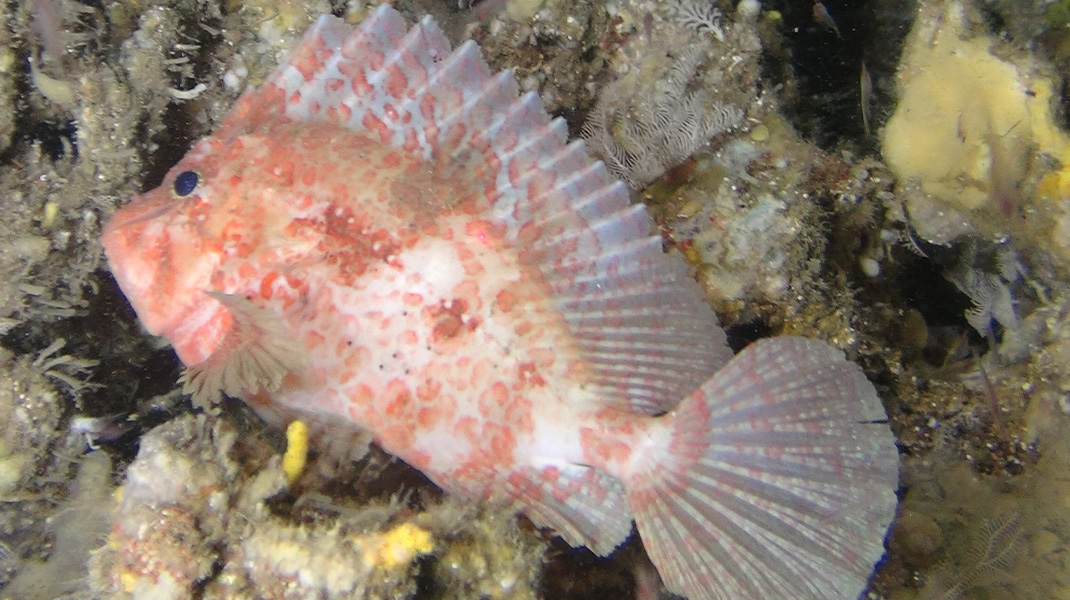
967	126
293	461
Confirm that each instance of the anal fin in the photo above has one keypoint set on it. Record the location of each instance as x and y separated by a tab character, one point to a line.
254	356
585	506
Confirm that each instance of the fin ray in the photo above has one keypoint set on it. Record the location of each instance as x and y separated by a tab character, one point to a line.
254	356
586	507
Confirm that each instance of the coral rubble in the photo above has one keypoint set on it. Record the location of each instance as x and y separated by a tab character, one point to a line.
193	516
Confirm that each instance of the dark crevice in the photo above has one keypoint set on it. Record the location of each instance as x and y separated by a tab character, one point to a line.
820	71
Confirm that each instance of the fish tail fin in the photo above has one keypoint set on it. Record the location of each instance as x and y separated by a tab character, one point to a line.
778	480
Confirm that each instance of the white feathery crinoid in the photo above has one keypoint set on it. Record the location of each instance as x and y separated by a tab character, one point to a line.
988	284
641	131
701	16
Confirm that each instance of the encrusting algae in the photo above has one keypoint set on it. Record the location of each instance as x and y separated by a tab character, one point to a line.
212	526
397	546
385	237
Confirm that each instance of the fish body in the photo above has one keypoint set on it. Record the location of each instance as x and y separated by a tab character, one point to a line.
384	236
823	18
865	95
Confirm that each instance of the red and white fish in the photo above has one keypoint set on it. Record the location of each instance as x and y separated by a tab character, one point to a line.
385	236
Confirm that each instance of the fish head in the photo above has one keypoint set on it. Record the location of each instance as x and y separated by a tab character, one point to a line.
199	234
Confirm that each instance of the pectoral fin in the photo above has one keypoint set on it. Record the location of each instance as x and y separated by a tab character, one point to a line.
255	355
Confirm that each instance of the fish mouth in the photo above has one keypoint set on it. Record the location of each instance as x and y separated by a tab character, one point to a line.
135	263
158	309
136	282
162	271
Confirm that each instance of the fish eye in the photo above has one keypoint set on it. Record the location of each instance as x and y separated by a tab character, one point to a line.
185	183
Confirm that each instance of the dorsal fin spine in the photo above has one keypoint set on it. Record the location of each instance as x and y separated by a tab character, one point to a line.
516	122
610	231
590	205
631	257
553	156
461	115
